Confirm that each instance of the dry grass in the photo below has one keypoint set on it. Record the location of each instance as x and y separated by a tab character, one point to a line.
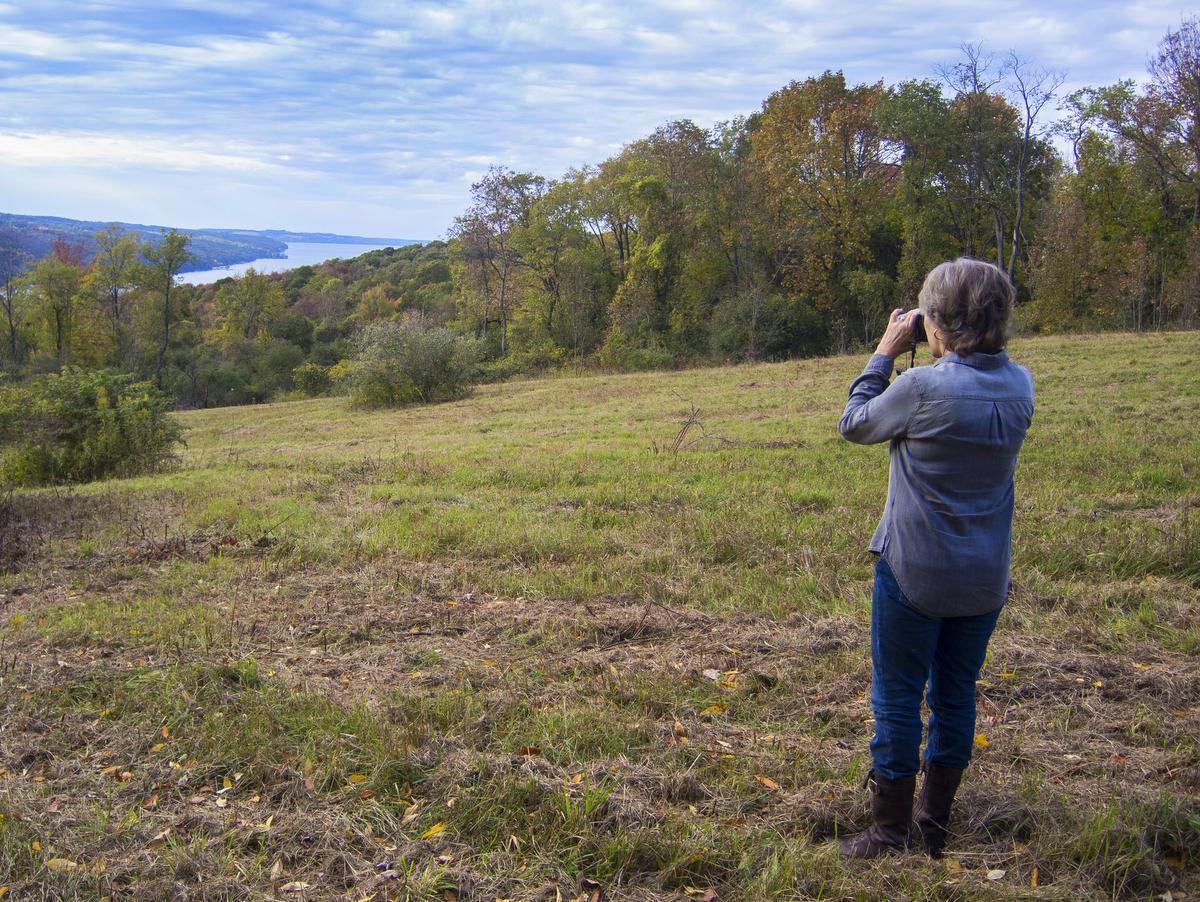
509	646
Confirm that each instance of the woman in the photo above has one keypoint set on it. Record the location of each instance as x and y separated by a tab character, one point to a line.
944	543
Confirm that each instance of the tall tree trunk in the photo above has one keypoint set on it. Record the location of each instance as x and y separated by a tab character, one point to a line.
166	339
504	310
10	315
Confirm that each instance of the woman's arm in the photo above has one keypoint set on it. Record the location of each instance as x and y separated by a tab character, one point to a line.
876	411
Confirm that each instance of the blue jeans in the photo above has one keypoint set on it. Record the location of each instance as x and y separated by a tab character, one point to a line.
908	649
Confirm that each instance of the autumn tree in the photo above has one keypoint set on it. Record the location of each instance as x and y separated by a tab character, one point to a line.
165	259
247	306
501	204
13	294
827	175
56	282
114	277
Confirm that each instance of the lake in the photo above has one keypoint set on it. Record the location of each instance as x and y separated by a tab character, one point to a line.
298	254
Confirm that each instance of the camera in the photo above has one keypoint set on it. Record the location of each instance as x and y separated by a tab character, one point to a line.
919	328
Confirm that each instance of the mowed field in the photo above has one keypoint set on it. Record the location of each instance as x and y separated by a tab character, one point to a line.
548	643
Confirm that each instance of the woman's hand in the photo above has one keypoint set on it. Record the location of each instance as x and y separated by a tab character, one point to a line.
898	339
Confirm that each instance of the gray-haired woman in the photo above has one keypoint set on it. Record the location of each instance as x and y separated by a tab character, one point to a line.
944	544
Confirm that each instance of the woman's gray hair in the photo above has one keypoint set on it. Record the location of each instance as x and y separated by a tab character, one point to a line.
969	302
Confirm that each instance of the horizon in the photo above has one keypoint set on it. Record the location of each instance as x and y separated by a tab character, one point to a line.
316	119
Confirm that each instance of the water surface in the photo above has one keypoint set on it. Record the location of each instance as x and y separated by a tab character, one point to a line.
299	253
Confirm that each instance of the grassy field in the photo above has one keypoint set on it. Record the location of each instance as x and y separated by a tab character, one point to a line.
584	638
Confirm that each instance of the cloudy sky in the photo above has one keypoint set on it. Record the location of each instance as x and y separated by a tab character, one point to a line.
373	118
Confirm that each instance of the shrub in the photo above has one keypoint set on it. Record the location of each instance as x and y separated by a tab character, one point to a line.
624	352
79	426
405	362
311	379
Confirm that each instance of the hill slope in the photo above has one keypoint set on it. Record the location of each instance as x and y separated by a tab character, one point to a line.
32	237
549	634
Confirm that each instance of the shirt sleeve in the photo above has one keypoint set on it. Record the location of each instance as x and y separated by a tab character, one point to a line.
876	411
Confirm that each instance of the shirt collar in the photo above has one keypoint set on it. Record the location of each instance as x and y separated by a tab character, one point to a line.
978	360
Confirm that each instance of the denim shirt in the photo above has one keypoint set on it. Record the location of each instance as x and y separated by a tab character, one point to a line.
955	430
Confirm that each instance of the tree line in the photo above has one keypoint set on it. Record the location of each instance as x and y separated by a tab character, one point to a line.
791	231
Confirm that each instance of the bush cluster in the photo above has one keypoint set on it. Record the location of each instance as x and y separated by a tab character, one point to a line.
79	426
406	361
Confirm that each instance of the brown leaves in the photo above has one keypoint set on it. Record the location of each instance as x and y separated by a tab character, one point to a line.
767	782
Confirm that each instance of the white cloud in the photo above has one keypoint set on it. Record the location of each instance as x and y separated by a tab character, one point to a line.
28	149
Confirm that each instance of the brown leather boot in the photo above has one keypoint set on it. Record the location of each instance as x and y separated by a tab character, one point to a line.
891	811
933	807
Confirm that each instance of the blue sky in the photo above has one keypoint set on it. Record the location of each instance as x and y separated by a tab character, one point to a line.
374	117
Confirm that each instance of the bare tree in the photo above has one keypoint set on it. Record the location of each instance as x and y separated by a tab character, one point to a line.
1032	88
1176	85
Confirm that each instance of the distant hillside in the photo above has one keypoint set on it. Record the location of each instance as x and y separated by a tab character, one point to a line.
27	238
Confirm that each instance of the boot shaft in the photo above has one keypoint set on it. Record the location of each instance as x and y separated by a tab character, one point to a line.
932	817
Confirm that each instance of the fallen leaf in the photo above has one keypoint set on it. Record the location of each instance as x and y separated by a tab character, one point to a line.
1033	878
35	847
159	839
767	782
166	732
357	778
222	802
997	874
150	802
529	751
61	864
680	730
710	674
277	869
981	741
436	830
3	891
226	784
952	865
158	747
714	709
449	895
296	886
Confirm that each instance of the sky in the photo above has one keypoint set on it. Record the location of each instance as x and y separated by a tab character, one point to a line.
374	118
